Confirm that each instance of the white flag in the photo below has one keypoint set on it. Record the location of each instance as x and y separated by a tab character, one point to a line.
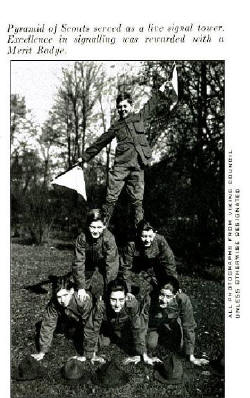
173	84
72	179
175	80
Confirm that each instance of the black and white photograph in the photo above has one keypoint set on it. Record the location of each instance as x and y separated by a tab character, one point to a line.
117	197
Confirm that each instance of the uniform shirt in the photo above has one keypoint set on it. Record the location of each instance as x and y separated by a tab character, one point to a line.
155	261
130	315
180	309
95	254
133	150
76	310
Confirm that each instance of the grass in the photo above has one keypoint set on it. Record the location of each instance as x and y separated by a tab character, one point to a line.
32	265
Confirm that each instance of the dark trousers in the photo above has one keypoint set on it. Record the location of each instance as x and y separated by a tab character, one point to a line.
168	334
72	330
133	180
121	337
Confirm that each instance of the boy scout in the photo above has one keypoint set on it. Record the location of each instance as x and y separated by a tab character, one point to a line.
96	261
149	256
112	320
66	309
133	152
171	321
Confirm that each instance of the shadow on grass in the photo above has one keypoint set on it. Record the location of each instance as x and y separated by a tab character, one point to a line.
38	287
24	241
64	246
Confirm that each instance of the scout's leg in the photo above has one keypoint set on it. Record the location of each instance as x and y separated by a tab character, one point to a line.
116	183
135	191
75	331
104	338
172	335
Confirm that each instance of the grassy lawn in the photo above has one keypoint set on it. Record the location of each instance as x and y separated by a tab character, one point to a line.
31	265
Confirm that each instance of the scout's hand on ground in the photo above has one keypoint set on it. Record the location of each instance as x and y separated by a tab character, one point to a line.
82	294
95	358
198	362
79	358
150	361
38	356
134	359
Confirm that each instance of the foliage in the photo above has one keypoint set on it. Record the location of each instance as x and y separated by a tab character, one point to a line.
184	190
189	180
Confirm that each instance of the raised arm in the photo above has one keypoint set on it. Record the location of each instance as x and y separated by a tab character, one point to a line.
165	98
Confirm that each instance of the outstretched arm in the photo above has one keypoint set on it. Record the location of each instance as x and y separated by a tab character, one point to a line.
100	143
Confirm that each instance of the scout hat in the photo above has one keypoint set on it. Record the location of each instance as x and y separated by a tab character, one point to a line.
73	372
29	369
110	375
170	373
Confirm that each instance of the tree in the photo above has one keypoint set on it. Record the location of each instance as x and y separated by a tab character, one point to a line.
80	89
29	173
193	148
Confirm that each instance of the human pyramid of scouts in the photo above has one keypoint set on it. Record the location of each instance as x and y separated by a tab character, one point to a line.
132	298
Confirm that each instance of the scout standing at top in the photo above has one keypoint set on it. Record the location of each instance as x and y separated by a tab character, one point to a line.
133	152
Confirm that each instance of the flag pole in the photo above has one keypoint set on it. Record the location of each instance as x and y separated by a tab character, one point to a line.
66	171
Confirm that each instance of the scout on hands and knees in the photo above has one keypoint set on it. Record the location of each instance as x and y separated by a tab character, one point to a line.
149	256
171	321
133	152
96	261
116	319
64	308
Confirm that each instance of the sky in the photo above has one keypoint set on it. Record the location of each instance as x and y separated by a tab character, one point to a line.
37	81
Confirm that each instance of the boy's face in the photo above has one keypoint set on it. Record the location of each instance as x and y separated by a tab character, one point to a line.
124	108
96	228
166	296
117	300
147	237
64	296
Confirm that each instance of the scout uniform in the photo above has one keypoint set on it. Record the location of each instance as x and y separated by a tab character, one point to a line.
174	325
96	262
105	326
75	314
152	264
133	153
